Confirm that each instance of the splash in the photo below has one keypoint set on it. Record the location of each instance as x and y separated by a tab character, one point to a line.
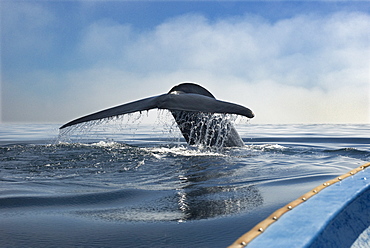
207	132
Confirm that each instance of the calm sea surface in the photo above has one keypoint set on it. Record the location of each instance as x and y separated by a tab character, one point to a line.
142	186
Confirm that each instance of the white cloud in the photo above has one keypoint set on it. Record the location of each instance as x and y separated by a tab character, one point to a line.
305	69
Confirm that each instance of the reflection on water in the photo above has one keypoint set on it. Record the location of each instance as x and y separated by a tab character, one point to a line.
209	192
183	188
175	184
220	201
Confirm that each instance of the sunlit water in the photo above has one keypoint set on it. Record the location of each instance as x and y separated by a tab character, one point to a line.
132	185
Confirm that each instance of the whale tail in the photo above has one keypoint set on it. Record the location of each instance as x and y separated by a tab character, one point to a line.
188	103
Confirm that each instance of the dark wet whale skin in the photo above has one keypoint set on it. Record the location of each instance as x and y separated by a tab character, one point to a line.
204	128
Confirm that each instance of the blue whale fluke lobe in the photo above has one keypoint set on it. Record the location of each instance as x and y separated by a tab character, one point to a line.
194	109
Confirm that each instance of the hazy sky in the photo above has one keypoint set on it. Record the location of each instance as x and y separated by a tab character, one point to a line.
290	62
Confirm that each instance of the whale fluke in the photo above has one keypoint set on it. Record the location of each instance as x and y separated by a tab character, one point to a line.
188	103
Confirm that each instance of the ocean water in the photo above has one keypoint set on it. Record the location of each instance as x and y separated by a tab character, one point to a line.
133	185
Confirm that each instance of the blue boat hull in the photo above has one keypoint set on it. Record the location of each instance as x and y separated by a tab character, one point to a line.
333	214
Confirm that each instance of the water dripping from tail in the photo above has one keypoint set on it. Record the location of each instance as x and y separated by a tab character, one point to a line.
207	130
95	129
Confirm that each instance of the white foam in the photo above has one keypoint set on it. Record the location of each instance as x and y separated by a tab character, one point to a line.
267	147
160	152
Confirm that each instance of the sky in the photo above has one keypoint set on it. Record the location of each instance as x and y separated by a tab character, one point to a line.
290	62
